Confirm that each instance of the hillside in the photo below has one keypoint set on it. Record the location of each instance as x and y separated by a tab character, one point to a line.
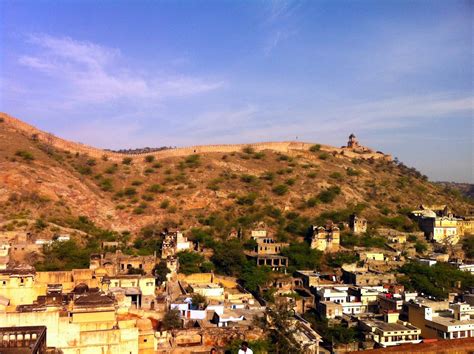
286	185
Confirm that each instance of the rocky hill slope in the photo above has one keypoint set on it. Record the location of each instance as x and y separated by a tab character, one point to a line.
285	185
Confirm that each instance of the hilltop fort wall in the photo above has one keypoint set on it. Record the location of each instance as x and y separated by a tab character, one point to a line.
283	147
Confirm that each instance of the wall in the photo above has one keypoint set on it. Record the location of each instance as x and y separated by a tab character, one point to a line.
283	147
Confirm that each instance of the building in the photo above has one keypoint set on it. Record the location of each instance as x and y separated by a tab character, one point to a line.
442	323
389	302
329	309
390	332
23	340
310	278
267	245
267	251
86	324
173	243
357	225
349	304
210	290
438	223
365	277
227	318
325	238
466	225
115	263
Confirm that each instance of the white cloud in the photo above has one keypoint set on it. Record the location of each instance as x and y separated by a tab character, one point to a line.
92	73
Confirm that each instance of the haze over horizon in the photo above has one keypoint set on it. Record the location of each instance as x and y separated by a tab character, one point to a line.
119	74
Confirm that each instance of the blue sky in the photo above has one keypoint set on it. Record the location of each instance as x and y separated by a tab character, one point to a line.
120	74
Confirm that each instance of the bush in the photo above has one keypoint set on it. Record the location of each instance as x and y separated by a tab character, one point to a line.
106	185
323	156
337	176
248	150
290	181
165	204
248	199
25	155
192	160
149	158
352	172
269	176
156	188
127	161
138	210
284	158
129	191
315	148
328	195
111	169
281	189
248	178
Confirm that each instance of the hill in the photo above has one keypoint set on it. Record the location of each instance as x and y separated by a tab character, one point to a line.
287	185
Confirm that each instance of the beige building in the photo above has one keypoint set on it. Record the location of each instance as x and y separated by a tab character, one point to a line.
89	325
119	263
438	223
358	225
365	277
442	324
390	332
325	238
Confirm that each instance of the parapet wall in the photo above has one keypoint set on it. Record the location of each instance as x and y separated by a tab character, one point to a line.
283	147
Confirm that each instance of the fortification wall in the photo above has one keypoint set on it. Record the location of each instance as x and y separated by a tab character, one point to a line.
73	147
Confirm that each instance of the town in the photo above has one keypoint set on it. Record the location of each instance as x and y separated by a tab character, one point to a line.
409	288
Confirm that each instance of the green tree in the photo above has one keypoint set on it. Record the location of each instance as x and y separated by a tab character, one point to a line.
172	320
160	271
301	256
190	262
229	257
252	276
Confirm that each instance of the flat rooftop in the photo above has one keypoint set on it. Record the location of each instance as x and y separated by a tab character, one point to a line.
390	327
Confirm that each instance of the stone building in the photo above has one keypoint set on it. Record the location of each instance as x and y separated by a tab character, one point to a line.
267	251
174	242
352	143
119	263
325	238
358	225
